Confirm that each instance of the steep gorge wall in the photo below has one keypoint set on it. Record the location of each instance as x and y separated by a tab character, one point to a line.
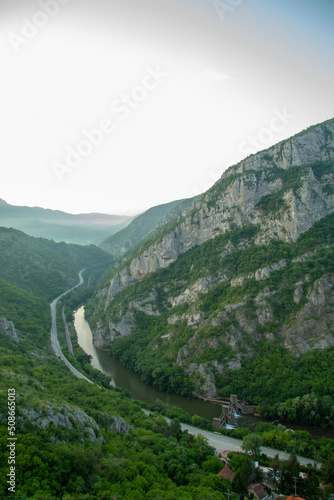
281	193
233	200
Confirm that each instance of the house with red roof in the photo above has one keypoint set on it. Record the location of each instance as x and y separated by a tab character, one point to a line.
226	473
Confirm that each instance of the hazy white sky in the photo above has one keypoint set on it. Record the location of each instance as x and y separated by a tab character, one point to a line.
118	105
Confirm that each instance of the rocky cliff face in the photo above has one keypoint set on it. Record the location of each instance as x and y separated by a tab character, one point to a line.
62	416
280	193
234	199
7	328
121	242
71	419
312	327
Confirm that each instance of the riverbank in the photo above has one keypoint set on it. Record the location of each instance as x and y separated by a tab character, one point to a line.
224	444
123	377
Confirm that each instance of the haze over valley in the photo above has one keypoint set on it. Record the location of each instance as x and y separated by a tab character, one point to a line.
166	250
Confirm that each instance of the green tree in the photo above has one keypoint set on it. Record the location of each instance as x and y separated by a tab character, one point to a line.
327	470
289	475
239	484
310	486
212	464
252	444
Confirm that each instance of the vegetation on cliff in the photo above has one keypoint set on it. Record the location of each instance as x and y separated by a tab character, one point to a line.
245	272
244	304
152	349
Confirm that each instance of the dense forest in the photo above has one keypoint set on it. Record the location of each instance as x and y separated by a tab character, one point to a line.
137	456
74	439
106	447
272	374
33	271
77	440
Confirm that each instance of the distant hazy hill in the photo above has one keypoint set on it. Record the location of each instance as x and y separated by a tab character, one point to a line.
82	229
120	243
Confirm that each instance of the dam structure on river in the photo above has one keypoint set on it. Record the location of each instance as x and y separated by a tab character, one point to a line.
230	408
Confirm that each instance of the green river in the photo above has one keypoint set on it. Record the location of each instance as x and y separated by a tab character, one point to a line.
123	377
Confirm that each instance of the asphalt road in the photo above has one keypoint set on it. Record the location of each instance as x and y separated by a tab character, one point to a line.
225	443
54	339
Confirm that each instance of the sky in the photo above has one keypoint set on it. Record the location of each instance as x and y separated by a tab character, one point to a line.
115	106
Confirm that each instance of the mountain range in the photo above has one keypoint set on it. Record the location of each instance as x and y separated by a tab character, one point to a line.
227	293
194	293
81	229
246	266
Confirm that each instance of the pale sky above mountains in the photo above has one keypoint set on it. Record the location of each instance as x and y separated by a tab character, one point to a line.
114	107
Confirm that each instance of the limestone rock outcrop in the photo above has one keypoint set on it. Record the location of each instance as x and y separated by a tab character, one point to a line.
62	416
273	196
7	328
233	201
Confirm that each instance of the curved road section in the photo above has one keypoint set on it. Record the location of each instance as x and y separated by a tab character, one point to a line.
216	440
54	339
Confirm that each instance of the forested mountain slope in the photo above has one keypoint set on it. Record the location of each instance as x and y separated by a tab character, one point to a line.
33	271
78	440
249	263
236	300
141	227
75	439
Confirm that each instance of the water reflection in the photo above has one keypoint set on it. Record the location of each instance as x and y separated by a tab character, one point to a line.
122	377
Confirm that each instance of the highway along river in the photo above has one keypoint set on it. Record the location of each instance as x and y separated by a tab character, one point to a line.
122	377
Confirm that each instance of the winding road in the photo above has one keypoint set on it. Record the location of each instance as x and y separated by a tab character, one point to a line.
218	441
54	339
